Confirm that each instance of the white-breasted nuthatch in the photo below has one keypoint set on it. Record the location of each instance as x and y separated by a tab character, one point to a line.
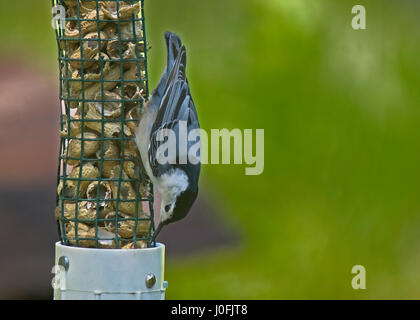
170	107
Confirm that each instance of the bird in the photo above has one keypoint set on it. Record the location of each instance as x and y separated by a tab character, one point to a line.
170	107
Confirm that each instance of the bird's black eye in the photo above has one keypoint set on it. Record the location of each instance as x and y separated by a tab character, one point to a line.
167	208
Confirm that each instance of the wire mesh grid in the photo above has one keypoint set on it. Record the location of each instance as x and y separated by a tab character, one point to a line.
103	201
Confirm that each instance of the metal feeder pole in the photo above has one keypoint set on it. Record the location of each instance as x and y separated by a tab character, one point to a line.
102	274
104	205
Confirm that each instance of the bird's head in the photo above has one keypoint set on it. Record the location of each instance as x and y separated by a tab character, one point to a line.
178	190
179	208
176	210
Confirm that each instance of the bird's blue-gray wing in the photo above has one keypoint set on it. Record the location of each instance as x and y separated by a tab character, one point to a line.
177	109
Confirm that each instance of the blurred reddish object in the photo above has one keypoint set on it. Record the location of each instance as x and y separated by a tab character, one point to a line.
29	117
29	114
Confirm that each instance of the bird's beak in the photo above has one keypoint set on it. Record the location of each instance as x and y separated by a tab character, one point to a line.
159	228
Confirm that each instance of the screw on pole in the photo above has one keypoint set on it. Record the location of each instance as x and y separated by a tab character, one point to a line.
64	262
150	280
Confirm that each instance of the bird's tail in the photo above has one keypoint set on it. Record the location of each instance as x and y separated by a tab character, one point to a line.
173	47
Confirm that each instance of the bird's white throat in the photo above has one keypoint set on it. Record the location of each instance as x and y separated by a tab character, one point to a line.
171	185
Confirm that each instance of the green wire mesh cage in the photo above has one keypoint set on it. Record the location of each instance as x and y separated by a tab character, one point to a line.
103	201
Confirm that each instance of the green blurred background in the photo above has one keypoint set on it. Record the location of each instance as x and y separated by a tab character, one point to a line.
341	113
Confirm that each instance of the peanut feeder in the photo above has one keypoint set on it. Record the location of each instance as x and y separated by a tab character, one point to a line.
103	200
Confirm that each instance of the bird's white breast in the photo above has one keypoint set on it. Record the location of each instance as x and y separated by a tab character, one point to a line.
171	184
143	137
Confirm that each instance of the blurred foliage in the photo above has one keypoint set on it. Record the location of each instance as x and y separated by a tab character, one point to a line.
341	116
26	31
